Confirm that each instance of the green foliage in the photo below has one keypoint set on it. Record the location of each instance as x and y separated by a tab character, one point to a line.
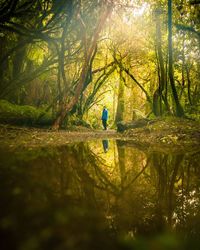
36	54
46	41
22	115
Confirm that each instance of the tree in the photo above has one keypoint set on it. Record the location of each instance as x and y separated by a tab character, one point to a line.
88	52
179	109
120	100
158	96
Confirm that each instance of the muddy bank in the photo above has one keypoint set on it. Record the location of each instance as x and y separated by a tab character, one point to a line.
173	135
14	137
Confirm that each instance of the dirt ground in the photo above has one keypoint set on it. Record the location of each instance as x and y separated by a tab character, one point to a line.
175	134
14	137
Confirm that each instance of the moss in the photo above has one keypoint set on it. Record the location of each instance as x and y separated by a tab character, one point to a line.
168	132
22	115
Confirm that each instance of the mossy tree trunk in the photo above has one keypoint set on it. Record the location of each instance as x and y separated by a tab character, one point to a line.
179	109
158	94
120	101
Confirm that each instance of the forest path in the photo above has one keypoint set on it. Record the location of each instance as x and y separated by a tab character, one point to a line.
15	137
173	135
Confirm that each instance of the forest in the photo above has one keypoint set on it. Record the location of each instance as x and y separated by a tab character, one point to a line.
99	124
61	61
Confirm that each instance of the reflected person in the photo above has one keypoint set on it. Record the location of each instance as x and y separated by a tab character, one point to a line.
105	145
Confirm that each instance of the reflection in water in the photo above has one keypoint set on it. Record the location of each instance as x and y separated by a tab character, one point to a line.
76	197
105	145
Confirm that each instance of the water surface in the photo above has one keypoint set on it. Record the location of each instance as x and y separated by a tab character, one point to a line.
99	195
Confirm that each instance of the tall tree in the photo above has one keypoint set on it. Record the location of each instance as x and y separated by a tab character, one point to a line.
89	49
120	101
179	109
157	97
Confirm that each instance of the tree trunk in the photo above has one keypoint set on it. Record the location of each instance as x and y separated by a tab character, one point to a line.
156	107
189	85
179	109
158	96
183	68
120	103
88	55
160	55
121	162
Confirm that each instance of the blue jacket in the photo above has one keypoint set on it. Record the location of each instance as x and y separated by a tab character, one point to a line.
104	114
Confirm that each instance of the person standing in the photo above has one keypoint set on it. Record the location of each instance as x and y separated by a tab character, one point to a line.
104	117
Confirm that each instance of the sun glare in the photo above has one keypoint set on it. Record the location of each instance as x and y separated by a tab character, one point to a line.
135	12
140	10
